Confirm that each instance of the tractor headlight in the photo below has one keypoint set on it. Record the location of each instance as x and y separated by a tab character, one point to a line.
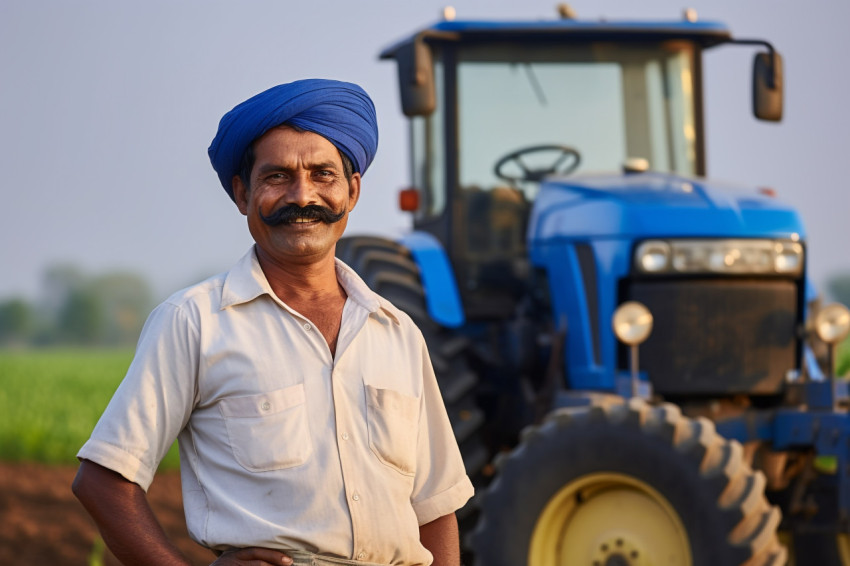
788	257
742	257
653	256
832	323
632	323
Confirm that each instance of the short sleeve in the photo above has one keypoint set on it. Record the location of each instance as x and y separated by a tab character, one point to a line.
441	485
153	402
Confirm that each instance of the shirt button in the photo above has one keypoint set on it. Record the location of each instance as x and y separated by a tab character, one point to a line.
355	497
361	556
266	406
308	327
345	436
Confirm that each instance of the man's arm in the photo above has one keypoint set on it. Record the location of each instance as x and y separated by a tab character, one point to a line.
129	528
121	511
441	538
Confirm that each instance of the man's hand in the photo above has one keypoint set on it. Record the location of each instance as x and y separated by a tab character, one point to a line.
253	556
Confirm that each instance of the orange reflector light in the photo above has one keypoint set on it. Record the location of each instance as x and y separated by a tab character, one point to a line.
767	191
408	200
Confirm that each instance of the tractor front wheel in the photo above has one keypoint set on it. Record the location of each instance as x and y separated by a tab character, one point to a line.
626	484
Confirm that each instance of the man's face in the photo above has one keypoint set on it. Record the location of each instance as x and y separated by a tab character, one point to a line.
296	169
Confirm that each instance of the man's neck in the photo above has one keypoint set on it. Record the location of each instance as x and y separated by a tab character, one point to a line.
297	282
311	288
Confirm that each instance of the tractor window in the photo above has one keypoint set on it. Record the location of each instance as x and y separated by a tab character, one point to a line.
505	107
428	154
607	102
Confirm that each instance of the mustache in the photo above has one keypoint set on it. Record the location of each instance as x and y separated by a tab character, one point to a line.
292	212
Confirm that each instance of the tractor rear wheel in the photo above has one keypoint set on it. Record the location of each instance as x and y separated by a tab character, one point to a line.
389	270
626	484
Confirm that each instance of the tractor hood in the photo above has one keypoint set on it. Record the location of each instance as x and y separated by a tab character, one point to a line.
650	205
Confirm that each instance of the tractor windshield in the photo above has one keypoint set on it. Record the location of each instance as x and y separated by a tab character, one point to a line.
594	106
607	102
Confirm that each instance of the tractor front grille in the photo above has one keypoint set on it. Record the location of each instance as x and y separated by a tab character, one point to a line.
715	336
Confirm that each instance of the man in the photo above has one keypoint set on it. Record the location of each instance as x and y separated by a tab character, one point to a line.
310	424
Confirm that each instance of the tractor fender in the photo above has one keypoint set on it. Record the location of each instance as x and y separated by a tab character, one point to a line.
441	293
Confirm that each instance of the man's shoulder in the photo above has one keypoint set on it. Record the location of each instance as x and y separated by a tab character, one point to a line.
364	295
206	291
240	283
401	317
402	320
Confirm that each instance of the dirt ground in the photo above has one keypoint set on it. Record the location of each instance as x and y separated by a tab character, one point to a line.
43	523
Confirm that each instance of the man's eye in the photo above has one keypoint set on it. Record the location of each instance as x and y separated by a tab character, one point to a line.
275	178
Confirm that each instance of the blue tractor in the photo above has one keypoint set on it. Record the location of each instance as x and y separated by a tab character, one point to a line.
628	351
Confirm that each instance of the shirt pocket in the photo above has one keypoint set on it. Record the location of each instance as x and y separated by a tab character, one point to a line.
268	431
393	428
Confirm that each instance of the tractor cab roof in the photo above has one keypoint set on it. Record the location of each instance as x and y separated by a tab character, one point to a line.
706	34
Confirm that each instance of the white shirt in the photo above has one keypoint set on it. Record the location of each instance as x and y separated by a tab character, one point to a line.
281	444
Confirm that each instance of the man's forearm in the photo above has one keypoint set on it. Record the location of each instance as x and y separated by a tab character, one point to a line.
441	538
127	524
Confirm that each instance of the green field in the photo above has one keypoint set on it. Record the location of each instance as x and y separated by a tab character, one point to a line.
843	363
51	399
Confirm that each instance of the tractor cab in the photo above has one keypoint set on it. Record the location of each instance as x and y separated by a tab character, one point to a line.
497	108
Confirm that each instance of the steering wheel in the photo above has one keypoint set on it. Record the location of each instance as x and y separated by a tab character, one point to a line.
536	175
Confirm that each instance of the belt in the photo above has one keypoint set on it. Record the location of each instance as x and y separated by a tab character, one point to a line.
301	558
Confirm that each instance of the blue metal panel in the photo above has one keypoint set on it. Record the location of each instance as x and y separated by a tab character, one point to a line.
441	292
753	425
703	32
680	27
811	291
655	205
811	365
610	214
827	432
613	260
569	302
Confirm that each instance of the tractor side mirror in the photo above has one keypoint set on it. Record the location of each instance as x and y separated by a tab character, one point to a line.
416	78
767	86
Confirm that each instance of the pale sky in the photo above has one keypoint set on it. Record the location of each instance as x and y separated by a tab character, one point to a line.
107	109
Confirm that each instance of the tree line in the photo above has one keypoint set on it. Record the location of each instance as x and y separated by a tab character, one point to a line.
839	288
78	309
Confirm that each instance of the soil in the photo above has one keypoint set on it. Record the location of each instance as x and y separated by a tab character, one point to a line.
41	522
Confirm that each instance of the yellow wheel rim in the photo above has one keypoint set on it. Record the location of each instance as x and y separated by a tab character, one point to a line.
608	519
843	542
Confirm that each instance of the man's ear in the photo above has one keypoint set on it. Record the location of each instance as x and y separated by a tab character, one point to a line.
240	194
353	191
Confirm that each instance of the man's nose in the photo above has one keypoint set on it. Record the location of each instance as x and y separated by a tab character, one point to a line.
301	191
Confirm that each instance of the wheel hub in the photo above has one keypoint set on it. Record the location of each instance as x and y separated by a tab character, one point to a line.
617	551
609	519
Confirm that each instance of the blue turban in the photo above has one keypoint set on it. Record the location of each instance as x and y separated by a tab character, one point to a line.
340	112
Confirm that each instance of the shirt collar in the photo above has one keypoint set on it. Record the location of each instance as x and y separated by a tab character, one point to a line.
361	294
246	281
